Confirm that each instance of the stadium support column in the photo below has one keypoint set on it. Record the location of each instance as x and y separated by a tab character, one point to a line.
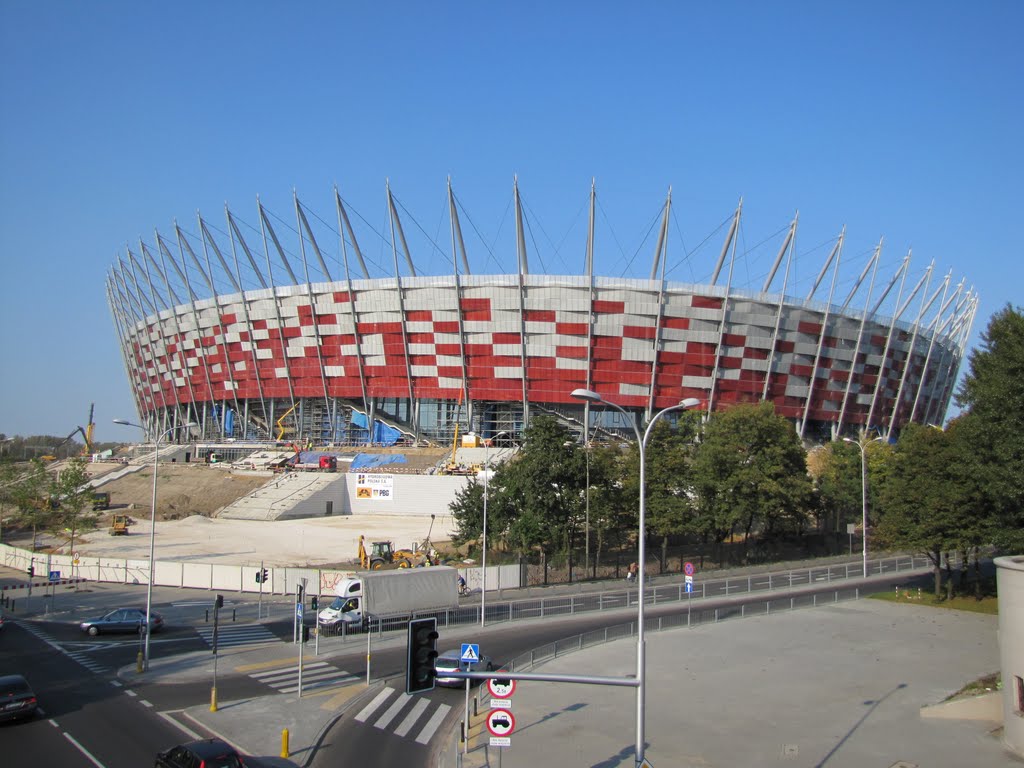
303	224
937	326
660	254
345	226
265	227
729	240
459	248
787	247
926	304
836	254
254	359
880	376
873	266
396	228
589	272
524	269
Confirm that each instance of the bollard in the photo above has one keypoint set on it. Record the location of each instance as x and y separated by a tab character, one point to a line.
213	699
284	743
233	614
138	663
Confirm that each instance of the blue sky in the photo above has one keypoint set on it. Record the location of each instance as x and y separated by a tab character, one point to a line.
896	120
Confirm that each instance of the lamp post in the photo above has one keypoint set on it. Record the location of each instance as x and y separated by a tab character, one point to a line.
152	525
487	473
641	653
863	499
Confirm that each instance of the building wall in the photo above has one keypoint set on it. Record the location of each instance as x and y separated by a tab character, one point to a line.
1010	584
636	342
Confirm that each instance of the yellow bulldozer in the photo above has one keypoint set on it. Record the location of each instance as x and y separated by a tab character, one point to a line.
119	525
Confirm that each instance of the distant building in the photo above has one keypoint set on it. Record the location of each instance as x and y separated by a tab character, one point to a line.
253	340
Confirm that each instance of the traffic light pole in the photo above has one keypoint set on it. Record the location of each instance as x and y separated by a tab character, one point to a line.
260	577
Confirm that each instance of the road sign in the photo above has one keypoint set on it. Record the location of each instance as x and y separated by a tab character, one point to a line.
298	611
501	688
688	569
689	579
54	575
500	741
470	652
501	722
689	586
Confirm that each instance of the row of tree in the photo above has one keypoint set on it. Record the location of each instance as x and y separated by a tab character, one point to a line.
744	476
33	497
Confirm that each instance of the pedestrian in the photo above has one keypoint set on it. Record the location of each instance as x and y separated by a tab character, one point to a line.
631	572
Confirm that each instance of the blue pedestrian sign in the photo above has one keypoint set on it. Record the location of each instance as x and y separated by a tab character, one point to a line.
470	652
54	575
298	611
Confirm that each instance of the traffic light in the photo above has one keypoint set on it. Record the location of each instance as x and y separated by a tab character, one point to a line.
305	633
31	571
219	603
300	593
422	651
314	601
264	576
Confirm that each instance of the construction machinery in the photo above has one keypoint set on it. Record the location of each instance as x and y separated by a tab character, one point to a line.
119	525
85	433
382	554
100	500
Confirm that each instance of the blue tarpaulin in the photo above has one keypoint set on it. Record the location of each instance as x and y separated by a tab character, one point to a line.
371	460
382	433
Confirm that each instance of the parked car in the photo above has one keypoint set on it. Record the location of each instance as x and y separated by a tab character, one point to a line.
121	620
207	753
17	701
449	661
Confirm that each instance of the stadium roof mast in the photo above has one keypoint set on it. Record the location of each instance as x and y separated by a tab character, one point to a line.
396	227
524	269
301	223
873	266
730	240
933	327
588	269
926	304
787	248
459	248
660	254
836	253
345	226
957	302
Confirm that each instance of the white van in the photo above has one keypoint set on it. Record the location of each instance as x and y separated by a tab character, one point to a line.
345	609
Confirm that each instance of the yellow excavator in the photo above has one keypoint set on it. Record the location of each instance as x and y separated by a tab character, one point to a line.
382	554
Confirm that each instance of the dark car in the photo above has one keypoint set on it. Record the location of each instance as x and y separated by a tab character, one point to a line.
449	661
121	620
208	753
17	701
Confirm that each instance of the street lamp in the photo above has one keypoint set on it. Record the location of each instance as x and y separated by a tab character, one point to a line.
641	668
487	473
863	496
152	524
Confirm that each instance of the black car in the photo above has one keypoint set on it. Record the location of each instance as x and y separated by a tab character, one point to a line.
17	701
121	620
208	753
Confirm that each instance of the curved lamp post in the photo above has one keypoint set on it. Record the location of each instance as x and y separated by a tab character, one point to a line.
152	524
641	667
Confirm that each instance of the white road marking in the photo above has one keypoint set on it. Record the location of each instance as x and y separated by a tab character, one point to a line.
180	726
370	708
393	710
412	717
83	750
432	724
130	692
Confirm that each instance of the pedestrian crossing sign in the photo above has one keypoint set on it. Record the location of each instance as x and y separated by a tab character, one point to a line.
470	652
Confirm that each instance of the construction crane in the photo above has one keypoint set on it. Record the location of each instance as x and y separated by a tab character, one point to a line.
85	433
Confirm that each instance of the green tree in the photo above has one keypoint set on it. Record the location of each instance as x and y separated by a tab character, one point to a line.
74	495
924	496
992	393
30	494
750	474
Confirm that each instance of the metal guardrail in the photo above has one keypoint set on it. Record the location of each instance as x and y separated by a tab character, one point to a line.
621	598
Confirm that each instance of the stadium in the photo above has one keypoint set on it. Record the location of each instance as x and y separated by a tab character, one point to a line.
279	330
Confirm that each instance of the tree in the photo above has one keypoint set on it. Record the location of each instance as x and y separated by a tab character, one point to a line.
992	393
750	473
923	498
30	494
74	495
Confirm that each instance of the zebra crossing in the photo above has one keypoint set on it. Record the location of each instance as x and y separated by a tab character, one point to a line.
317	674
412	717
82	657
234	635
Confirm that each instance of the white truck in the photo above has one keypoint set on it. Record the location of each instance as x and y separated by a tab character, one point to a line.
383	594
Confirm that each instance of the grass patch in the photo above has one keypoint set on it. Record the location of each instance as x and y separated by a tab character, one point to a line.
989	602
982	685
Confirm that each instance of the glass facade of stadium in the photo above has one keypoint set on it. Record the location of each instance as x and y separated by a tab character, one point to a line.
412	359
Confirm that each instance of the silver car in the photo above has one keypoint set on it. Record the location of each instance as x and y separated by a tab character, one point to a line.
449	661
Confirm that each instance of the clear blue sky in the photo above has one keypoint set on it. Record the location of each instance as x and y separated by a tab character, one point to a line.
901	120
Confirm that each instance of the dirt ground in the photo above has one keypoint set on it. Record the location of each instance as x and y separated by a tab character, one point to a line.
189	494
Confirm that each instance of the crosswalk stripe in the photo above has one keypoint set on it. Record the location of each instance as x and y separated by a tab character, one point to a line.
308	686
236	635
370	708
433	724
410	719
392	711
